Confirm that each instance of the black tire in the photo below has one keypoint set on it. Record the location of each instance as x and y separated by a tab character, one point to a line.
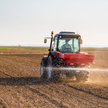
52	74
43	72
82	77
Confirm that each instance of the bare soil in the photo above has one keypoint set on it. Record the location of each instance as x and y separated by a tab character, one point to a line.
21	86
23	51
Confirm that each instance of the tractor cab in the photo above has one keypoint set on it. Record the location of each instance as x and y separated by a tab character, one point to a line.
65	42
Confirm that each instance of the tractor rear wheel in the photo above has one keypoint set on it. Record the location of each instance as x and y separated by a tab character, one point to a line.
52	74
43	72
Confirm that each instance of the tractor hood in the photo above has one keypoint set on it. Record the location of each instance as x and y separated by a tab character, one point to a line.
81	59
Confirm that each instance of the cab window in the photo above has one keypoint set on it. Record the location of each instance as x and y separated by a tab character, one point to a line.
55	44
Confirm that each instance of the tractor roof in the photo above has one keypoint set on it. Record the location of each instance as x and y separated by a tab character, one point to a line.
67	34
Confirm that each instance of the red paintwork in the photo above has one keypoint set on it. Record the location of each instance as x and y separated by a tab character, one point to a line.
81	59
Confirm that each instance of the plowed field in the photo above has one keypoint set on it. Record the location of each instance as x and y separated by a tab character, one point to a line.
21	86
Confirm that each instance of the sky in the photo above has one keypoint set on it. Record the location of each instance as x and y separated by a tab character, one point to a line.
27	22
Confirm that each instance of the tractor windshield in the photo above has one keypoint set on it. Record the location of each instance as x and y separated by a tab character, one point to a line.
68	45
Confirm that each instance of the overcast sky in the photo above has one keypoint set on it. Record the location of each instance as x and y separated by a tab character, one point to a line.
27	22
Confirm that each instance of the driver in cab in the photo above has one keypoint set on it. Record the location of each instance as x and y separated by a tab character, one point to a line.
66	47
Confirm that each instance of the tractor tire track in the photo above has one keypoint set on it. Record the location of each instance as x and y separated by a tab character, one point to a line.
68	96
69	93
90	91
76	94
105	98
56	103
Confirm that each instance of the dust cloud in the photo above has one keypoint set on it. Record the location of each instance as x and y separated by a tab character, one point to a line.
99	70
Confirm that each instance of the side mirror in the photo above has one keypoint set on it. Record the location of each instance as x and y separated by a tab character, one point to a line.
81	41
45	40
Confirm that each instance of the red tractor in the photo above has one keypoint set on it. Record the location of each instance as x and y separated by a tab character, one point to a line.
64	53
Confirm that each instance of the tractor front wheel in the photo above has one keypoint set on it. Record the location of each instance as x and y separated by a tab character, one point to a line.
43	72
52	74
